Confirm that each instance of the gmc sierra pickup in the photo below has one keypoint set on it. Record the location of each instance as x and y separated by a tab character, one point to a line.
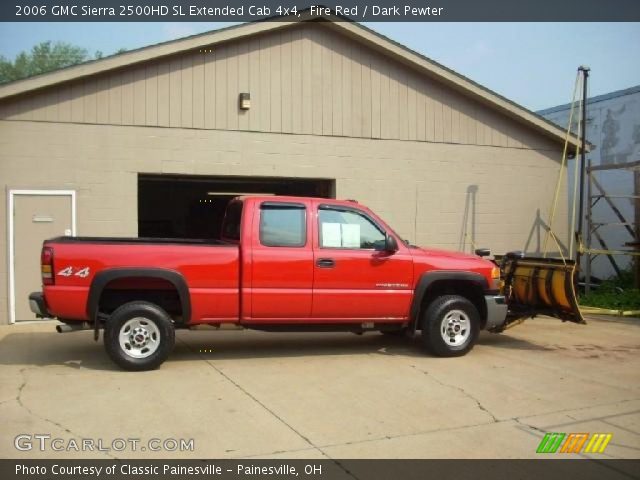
289	264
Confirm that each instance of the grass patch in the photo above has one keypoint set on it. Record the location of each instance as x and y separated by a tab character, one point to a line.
615	293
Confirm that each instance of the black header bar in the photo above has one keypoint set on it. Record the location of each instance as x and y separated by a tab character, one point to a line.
357	10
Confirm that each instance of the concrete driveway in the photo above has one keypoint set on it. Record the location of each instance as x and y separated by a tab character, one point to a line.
271	395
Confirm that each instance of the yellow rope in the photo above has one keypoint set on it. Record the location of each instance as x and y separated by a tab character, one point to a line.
473	244
552	209
555	239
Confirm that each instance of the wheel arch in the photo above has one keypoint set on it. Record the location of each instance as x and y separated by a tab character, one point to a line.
470	285
103	278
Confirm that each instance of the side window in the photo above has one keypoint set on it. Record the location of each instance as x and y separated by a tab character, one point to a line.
232	219
347	229
282	225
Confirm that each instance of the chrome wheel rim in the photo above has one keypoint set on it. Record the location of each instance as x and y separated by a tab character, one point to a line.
455	328
139	337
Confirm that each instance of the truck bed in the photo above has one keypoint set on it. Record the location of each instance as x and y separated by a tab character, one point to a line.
208	271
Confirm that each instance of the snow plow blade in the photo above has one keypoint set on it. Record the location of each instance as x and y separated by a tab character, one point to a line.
538	286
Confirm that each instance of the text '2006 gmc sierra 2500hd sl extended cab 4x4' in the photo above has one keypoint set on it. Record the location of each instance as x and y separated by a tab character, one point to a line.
290	264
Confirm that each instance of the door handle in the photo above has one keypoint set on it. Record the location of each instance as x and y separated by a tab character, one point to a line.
326	262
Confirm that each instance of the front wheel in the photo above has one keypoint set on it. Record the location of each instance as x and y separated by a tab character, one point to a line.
450	326
139	336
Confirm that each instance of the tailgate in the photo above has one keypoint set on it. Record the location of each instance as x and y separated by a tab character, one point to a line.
539	286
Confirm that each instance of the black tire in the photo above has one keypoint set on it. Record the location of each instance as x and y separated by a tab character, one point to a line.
435	318
155	327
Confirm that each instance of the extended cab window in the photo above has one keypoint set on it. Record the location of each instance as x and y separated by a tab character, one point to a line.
282	225
232	219
348	229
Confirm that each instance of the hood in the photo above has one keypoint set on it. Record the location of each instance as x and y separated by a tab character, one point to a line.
440	259
439	252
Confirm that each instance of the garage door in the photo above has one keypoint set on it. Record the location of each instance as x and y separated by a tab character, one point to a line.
36	217
193	206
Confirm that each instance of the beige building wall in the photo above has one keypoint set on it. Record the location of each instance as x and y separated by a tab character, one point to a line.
422	189
306	79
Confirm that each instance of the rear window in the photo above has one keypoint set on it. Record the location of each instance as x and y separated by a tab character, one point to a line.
232	219
283	225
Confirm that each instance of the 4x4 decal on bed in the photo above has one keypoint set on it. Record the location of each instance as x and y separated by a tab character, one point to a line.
68	271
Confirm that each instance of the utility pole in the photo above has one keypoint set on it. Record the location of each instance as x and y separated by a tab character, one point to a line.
636	242
583	164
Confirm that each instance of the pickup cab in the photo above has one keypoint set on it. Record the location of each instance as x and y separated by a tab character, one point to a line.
285	264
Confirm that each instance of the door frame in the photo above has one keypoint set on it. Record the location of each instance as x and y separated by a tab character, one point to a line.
11	194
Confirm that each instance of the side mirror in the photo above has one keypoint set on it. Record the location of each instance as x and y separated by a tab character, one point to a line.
483	252
390	244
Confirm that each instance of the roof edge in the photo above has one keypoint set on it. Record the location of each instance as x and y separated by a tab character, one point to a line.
458	81
347	26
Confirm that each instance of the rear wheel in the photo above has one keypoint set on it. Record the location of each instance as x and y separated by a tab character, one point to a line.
450	326
139	336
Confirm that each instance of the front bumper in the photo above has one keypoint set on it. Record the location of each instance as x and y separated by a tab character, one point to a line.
496	312
38	305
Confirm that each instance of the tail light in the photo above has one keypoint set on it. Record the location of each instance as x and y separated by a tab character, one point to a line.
46	266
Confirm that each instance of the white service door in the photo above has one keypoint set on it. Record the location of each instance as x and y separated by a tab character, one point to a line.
36	218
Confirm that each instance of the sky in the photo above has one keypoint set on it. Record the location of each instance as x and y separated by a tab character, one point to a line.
533	64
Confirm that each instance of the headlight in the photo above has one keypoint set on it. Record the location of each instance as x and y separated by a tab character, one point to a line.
495	278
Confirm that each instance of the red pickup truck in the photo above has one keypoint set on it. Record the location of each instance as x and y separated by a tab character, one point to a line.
281	264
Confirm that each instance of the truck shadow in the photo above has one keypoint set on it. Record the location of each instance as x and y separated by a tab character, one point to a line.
212	346
79	351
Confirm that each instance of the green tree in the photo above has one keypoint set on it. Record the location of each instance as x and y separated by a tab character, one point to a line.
42	58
